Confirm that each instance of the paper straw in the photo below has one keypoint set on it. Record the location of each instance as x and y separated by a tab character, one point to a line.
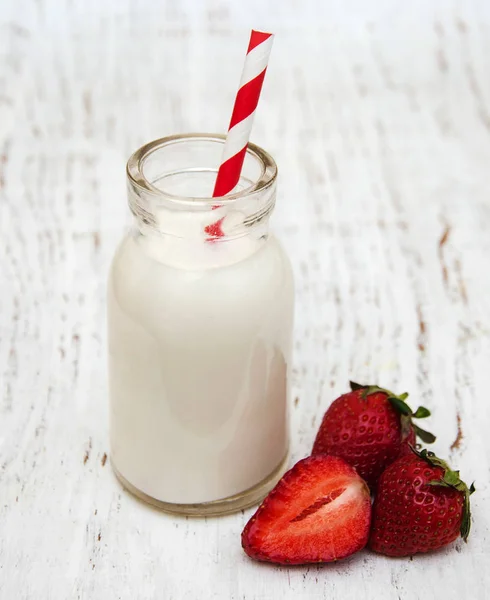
241	122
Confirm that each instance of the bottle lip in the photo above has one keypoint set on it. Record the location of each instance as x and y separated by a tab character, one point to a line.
136	176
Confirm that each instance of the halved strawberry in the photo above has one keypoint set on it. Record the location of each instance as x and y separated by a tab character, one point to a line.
320	511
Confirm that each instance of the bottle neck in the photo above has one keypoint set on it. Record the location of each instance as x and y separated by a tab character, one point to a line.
170	185
179	238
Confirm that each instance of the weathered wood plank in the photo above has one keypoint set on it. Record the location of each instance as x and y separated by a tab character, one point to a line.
379	117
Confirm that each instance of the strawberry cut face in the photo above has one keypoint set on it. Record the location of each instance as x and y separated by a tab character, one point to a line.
319	512
318	504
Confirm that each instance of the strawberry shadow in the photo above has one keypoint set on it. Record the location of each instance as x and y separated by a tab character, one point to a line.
458	546
343	565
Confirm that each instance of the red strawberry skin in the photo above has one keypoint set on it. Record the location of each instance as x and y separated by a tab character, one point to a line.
410	516
320	511
365	431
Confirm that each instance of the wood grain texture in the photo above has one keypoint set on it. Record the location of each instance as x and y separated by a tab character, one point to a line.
379	117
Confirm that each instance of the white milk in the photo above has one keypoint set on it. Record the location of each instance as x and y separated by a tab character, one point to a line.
199	349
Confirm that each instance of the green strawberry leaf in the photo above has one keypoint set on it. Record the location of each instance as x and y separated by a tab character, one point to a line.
356	386
466	521
421	413
452	478
425	436
401	406
374	389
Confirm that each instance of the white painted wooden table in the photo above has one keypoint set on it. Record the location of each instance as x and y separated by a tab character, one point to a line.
379	117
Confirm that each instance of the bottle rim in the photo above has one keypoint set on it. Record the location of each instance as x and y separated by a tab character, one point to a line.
135	170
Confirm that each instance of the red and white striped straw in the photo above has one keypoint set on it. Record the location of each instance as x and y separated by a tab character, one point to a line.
247	98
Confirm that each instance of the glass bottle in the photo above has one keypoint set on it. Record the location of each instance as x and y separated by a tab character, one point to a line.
200	315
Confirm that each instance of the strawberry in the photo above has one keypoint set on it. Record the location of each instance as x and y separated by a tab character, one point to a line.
421	505
320	511
369	427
